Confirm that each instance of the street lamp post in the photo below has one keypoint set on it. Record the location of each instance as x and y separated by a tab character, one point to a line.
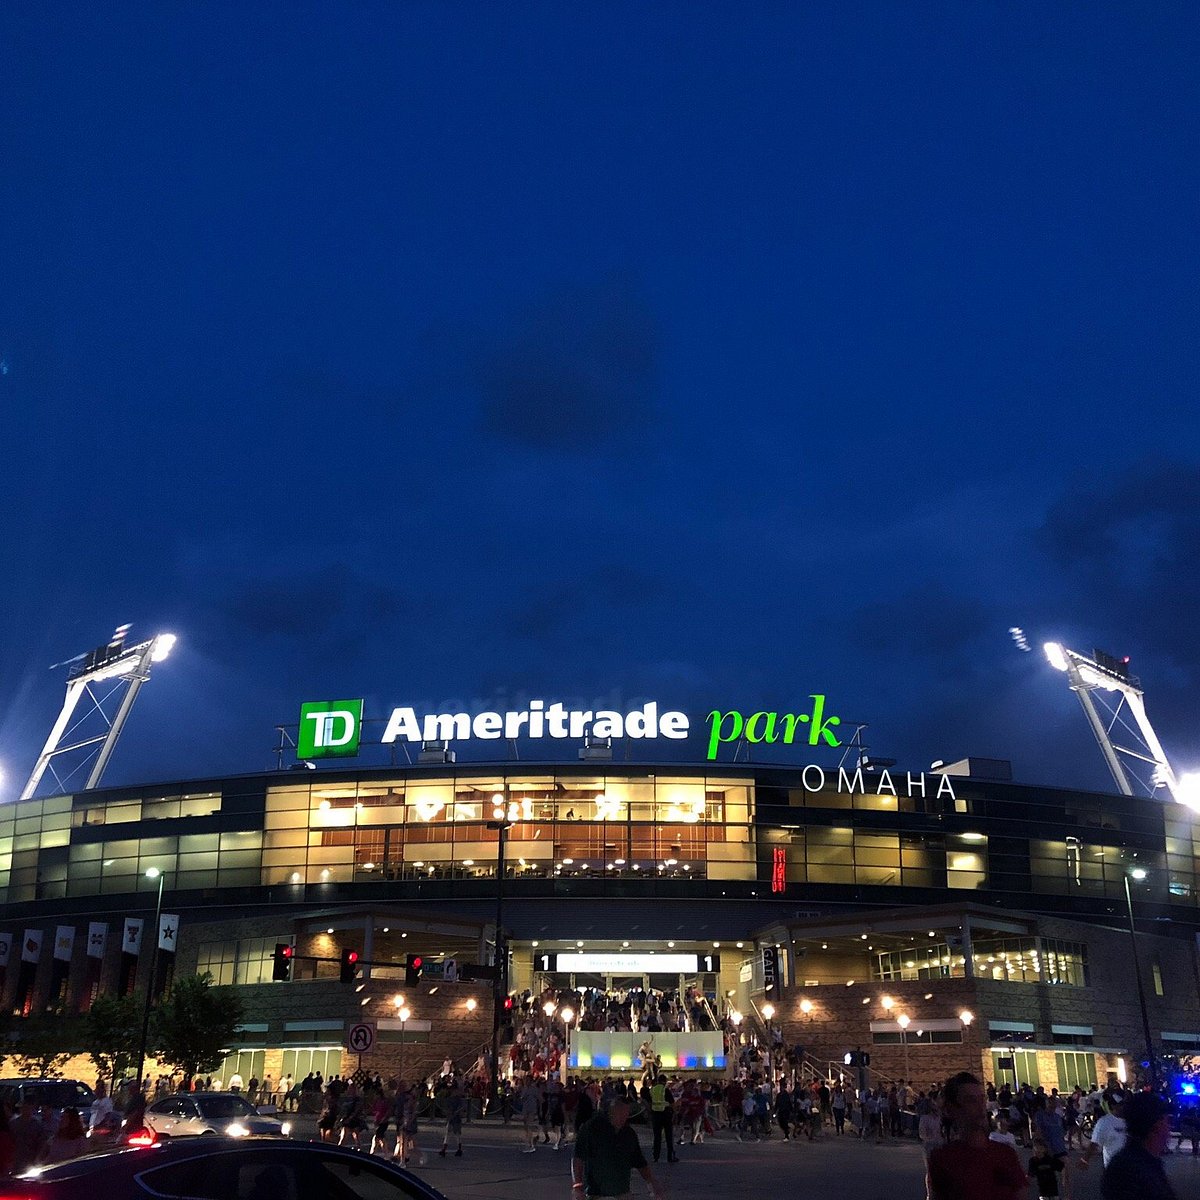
403	1013
903	1020
768	1011
1139	874
151	873
502	825
567	1015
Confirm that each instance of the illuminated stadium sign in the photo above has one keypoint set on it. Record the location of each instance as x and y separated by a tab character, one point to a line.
329	729
334	728
537	721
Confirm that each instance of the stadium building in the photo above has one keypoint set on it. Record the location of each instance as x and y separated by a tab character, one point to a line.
938	920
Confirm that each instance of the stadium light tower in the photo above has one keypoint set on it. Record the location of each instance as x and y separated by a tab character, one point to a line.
123	667
1138	762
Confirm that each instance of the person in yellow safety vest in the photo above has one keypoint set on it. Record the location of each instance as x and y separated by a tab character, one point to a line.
662	1118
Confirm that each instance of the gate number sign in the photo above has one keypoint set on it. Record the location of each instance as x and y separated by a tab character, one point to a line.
361	1037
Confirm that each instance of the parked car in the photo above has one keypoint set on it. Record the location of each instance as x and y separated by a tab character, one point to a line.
195	1114
218	1168
56	1094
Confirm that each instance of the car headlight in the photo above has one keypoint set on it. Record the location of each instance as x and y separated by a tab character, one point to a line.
236	1129
286	1129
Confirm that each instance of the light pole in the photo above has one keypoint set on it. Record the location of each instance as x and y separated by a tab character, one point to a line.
768	1011
567	1015
902	1020
151	873
502	825
1139	874
403	1013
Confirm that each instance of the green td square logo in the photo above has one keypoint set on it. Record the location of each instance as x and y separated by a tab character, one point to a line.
329	729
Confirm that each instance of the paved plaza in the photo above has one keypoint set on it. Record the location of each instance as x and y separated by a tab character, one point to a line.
831	1168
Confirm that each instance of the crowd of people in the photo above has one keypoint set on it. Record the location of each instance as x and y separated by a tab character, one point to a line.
32	1138
1022	1135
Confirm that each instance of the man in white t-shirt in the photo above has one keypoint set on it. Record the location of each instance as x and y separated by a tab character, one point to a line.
1108	1136
1002	1133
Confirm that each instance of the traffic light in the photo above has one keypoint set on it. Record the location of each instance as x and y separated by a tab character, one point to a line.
349	965
281	961
508	1003
414	964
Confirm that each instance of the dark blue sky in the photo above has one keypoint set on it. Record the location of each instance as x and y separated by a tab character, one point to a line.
718	353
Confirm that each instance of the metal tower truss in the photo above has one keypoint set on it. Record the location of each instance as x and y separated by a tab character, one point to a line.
101	688
1114	703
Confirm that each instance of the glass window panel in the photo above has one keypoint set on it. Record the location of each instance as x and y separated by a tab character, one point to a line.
280	799
190	880
829	874
198	862
877	875
876	858
194	842
839	855
241	840
202	804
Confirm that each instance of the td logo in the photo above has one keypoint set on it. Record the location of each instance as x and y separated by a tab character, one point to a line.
329	729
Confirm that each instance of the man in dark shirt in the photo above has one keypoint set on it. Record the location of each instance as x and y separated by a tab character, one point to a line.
1136	1172
607	1151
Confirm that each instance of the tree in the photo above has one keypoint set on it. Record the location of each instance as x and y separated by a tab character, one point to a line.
42	1045
110	1032
195	1026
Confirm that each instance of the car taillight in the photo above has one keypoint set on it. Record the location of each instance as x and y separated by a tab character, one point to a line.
142	1137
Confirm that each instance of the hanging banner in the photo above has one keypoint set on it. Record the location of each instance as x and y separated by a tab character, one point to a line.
31	946
97	939
131	943
64	943
5	948
168	931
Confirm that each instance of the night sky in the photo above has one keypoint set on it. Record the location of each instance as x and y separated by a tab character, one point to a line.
720	354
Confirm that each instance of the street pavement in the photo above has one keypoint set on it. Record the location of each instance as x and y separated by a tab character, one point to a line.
829	1168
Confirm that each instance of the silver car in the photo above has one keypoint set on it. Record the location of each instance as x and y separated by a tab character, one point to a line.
193	1114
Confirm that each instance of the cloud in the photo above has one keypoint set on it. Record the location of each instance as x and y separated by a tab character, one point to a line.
576	372
919	620
580	603
331	603
1126	548
1130	547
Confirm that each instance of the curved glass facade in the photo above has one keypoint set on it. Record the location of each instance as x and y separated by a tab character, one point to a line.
748	830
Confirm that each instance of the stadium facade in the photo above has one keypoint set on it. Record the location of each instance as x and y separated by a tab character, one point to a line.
990	915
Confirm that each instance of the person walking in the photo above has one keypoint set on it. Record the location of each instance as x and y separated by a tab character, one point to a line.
28	1136
69	1141
783	1111
837	1106
407	1104
661	1118
607	1152
1044	1169
529	1102
970	1167
456	1108
1108	1136
1136	1171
